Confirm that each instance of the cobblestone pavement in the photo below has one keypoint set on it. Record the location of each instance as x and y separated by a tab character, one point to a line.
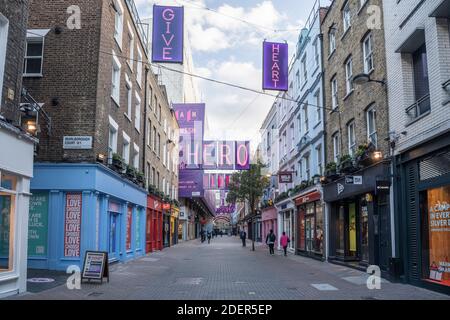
225	270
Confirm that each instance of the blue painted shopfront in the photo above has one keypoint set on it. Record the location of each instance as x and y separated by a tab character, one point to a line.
80	207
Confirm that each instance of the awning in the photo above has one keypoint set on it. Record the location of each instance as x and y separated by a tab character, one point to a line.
37	33
413	42
442	10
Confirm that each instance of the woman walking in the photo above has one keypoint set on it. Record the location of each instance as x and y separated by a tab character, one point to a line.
284	241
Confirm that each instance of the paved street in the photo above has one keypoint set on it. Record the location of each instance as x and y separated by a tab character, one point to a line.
224	270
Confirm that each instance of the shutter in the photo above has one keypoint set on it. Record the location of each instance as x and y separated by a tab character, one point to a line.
412	223
435	166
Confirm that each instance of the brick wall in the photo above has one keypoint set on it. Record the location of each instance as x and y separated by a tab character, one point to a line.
17	13
354	105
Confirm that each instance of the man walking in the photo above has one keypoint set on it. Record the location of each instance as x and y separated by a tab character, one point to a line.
270	241
243	237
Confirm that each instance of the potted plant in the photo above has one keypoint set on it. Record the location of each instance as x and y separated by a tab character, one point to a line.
118	163
151	189
140	177
330	169
362	155
131	173
346	164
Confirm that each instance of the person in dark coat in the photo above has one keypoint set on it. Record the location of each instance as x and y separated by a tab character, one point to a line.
243	237
270	241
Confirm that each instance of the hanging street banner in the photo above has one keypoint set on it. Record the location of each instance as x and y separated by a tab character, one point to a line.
191	119
275	66
191	184
168	34
226	155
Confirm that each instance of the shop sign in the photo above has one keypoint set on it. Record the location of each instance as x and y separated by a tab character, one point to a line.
340	188
129	222
38	225
72	226
168	34
383	185
285	177
358	180
77	142
166	206
310	197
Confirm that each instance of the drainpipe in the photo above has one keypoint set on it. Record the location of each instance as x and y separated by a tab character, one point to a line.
144	162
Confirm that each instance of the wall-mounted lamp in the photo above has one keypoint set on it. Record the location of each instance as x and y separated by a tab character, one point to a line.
377	155
101	158
364	78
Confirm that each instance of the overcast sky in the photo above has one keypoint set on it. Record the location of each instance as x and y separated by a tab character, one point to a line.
230	50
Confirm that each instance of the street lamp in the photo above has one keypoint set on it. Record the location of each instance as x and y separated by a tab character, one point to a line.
364	78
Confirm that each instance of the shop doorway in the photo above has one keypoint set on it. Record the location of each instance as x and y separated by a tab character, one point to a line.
347	241
114	233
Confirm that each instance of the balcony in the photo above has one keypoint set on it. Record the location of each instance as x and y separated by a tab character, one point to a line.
418	109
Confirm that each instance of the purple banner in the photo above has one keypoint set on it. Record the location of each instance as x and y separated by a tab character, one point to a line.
226	155
190	183
191	118
275	66
242	155
168	34
210	155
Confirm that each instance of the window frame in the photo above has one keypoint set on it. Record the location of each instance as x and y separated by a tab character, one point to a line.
349	75
4	27
131	44
346	16
351	138
115	87
119	24
137	115
366	56
336	146
126	145
334	93
372	110
129	87
35	39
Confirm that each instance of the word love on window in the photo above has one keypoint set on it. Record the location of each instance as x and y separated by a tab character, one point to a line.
168	34
275	66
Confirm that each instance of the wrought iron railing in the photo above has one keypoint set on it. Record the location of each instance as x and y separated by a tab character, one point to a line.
419	107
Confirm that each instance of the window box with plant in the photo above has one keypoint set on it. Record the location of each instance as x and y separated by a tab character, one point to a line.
363	155
117	163
315	179
331	169
140	177
346	164
131	173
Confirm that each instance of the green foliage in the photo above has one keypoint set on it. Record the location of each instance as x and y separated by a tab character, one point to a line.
248	186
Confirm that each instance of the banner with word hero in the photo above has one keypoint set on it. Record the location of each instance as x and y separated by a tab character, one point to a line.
168	34
275	66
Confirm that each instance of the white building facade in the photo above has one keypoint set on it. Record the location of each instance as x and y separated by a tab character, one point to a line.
418	68
302	145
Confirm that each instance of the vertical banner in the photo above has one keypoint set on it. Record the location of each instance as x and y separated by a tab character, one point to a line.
72	225
191	118
129	224
38	225
168	34
275	66
242	155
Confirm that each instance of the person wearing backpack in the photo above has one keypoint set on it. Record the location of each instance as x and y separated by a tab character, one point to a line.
270	241
284	242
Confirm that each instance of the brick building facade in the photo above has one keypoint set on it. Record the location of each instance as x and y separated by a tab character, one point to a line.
16	151
357	134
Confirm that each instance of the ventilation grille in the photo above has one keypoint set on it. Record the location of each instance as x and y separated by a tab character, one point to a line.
435	166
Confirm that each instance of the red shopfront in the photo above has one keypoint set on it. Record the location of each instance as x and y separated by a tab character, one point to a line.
154	232
311	228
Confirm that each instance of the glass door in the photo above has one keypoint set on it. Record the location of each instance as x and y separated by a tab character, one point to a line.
352	252
364	232
113	249
340	239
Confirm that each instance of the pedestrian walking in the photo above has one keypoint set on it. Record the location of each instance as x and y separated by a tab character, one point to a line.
284	242
243	237
209	237
270	241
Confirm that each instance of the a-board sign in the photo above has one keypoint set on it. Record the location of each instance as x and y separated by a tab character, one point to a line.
95	266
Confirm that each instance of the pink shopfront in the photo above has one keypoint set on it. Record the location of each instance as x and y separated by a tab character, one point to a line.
269	221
